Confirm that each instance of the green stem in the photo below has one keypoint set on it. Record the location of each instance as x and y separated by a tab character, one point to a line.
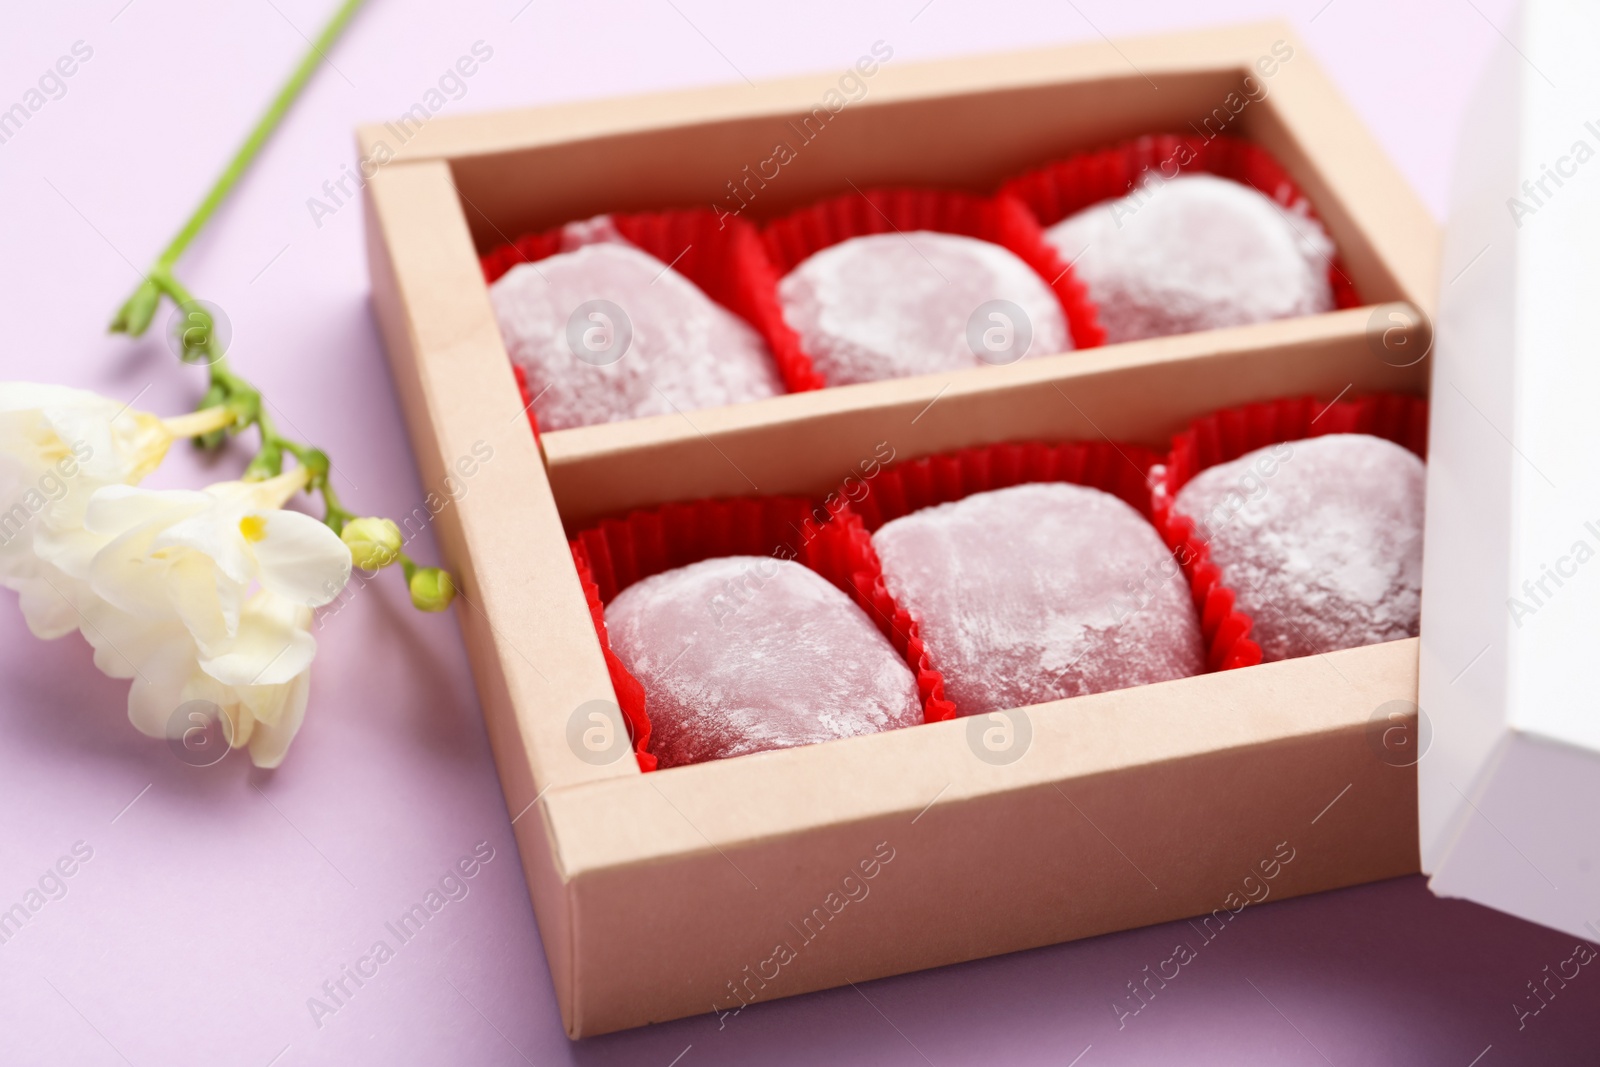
199	340
136	313
264	128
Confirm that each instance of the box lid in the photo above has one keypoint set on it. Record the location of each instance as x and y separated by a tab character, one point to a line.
1509	780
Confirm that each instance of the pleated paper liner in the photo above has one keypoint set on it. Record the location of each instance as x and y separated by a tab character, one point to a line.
1119	469
1227	435
725	259
618	552
1122	470
863	580
630	694
1001	220
1056	190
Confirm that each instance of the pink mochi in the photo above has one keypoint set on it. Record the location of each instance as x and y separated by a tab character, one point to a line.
748	653
1321	540
686	351
894	305
1195	252
1039	592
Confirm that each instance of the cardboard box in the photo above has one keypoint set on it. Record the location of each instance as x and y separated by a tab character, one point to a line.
702	887
1510	784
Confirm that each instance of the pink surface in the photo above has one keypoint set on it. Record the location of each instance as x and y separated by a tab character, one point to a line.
217	901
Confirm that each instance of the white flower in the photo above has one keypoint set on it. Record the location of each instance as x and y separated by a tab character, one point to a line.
41	424
259	679
206	596
57	447
193	595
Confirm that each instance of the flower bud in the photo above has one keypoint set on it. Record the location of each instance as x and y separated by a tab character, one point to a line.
267	464
431	589
212	440
317	463
133	318
246	406
374	543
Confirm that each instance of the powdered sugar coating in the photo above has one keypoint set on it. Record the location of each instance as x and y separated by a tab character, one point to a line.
1320	539
893	305
687	351
602	229
1040	592
1195	252
748	653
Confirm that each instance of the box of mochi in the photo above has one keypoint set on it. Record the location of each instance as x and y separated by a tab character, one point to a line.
936	509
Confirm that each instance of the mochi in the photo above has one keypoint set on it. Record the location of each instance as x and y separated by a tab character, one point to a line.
1195	252
893	305
658	345
1321	540
1040	592
749	653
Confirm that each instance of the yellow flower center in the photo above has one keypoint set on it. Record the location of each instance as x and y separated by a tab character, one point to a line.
253	527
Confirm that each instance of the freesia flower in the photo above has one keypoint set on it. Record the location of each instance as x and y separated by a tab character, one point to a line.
57	447
201	595
259	679
41	424
192	595
206	596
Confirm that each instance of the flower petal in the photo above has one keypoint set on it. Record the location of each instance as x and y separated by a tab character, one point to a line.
110	441
124	643
49	602
270	648
30	396
125	574
115	509
159	689
301	559
212	532
116	444
207	603
272	736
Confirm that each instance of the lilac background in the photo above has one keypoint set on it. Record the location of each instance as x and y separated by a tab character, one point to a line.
218	900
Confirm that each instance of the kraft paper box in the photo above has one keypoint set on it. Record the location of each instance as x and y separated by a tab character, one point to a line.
700	888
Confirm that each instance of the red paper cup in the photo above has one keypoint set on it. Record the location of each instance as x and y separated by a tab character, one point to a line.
1057	190
1001	220
858	572
630	694
1227	435
1119	469
618	552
